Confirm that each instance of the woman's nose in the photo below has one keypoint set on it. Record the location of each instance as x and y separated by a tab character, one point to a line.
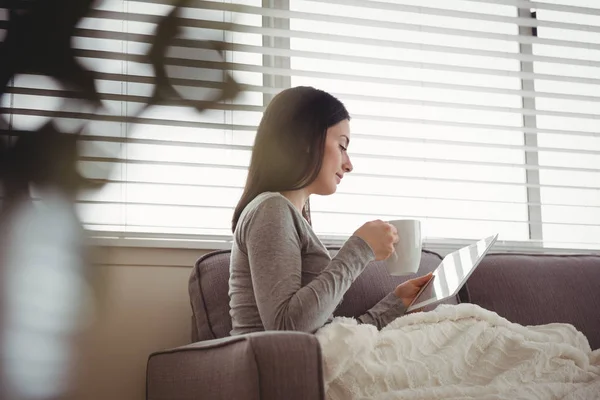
347	166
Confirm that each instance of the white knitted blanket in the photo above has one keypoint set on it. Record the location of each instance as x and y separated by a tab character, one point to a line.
457	352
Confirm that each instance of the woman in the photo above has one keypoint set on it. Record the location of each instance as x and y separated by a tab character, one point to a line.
282	276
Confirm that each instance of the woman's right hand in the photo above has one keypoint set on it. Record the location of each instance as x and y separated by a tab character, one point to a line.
380	236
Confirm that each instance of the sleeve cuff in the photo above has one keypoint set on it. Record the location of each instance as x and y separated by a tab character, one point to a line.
355	254
393	307
362	248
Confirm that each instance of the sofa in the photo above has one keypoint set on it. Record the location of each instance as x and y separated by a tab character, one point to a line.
529	289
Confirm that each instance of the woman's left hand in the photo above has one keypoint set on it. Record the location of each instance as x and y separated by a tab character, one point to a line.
407	291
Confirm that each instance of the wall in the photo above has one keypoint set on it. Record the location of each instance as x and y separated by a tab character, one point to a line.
144	308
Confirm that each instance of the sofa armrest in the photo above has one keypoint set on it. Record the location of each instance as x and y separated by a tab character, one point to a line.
263	365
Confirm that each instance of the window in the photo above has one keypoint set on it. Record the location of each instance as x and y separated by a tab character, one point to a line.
475	117
183	169
568	66
422	99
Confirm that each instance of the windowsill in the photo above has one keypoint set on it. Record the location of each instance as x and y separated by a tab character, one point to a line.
441	246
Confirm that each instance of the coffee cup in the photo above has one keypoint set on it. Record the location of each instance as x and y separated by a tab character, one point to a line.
406	258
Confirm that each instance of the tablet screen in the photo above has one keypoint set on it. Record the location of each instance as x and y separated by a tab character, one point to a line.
452	273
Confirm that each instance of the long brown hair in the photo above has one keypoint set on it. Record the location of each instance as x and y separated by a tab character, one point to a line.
290	142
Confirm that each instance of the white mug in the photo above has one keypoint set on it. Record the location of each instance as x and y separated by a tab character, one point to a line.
406	258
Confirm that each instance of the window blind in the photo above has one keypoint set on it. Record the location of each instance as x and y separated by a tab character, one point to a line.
475	117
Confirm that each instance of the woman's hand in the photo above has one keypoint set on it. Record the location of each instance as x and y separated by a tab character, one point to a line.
380	236
407	291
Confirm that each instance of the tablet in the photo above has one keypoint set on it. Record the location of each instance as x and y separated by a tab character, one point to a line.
452	273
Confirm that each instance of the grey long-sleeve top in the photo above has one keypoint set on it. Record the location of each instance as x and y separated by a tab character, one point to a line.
283	278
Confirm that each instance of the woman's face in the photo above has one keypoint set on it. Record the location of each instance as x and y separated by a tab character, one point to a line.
336	161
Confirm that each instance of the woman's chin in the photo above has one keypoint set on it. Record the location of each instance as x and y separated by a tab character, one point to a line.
326	190
331	190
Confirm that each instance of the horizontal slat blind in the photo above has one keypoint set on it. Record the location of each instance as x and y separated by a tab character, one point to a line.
443	139
580	188
440	93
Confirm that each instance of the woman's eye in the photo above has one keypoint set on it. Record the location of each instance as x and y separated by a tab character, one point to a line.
343	148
